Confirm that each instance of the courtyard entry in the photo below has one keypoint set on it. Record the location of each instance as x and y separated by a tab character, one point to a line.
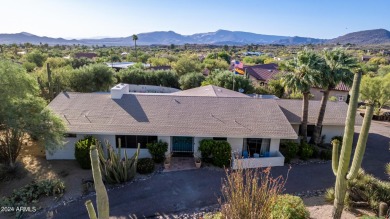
182	145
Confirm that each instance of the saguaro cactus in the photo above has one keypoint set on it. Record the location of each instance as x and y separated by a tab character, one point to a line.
101	192
340	164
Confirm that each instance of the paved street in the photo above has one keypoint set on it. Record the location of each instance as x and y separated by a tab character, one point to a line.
185	190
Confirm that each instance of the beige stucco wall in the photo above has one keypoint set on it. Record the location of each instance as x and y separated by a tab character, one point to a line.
66	152
332	130
316	92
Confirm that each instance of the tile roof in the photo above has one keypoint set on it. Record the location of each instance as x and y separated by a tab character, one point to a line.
210	91
335	113
168	115
262	72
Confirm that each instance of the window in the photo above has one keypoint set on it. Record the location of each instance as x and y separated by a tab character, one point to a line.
219	139
70	135
131	141
259	146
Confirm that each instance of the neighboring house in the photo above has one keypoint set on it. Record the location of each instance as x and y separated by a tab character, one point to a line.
88	55
334	120
184	118
122	65
252	53
341	92
261	74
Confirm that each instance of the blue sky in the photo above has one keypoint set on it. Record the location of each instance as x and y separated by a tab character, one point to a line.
119	18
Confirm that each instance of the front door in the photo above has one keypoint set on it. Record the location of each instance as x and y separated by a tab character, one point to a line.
182	145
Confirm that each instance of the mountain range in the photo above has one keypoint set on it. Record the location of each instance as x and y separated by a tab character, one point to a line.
220	37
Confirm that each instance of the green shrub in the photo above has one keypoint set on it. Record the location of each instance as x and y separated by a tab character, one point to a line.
326	154
157	150
145	165
289	207
306	151
206	149
289	150
316	152
82	151
32	192
221	153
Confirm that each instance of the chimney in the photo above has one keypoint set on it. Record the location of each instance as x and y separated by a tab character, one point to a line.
118	90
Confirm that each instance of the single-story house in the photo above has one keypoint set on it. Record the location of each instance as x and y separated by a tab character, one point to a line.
183	119
88	55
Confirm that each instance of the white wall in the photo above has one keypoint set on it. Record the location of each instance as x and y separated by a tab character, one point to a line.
66	152
331	130
236	144
274	145
197	144
276	159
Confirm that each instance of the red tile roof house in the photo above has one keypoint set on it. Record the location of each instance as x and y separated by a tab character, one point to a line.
261	74
183	119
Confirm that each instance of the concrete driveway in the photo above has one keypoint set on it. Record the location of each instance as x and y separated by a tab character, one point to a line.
185	190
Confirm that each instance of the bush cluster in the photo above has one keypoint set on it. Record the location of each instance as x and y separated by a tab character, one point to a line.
31	193
365	188
289	207
326	154
82	151
218	152
289	150
145	165
157	150
306	151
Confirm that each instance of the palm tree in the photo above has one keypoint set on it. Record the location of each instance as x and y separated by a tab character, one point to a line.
135	38
302	72
337	70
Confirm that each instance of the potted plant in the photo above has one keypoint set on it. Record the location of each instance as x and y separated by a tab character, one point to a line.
167	163
198	162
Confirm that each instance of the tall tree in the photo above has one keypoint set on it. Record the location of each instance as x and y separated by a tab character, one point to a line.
23	113
337	70
302	72
135	38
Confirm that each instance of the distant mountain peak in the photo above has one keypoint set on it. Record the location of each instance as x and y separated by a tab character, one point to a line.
375	36
27	34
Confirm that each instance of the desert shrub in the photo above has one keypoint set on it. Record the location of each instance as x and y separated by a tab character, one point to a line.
306	151
82	151
289	207
221	153
114	168
250	200
365	189
289	150
157	150
326	154
32	192
205	148
145	165
316	152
